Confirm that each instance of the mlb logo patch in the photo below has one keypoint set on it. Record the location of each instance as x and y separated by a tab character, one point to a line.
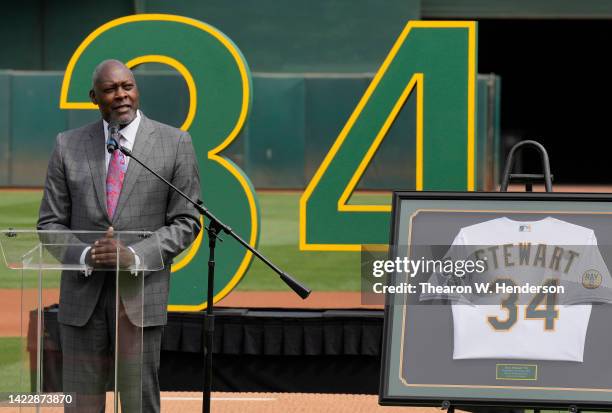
525	228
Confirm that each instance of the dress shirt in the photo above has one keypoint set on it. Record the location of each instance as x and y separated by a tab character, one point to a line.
128	133
128	137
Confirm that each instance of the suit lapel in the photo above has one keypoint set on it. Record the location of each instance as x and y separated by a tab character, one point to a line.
96	158
143	145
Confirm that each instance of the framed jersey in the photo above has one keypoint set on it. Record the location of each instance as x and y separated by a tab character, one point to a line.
498	299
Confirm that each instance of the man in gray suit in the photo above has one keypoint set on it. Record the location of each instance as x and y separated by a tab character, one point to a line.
89	189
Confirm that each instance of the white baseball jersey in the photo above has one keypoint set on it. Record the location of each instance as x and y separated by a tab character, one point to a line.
532	325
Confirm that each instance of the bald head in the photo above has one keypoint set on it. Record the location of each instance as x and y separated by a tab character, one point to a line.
115	92
107	64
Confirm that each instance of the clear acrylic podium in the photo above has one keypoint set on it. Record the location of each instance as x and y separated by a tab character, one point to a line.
44	268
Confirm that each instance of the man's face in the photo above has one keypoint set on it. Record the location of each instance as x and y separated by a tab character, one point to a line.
116	94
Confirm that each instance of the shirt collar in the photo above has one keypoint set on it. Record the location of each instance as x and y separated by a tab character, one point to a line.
129	131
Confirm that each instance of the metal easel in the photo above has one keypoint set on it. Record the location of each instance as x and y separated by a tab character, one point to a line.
527	179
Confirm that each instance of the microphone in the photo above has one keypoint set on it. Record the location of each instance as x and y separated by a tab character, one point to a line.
113	138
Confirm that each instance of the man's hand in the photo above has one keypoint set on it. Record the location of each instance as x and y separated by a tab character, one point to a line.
104	252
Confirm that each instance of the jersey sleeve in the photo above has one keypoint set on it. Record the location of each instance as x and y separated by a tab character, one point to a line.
441	276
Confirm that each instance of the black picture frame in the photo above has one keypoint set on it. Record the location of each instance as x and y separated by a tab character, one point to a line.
387	399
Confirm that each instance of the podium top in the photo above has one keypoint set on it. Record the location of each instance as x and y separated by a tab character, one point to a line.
65	250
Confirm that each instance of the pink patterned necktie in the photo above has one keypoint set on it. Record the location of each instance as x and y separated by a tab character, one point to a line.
114	180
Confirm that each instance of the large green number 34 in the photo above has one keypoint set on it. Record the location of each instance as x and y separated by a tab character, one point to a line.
219	84
436	61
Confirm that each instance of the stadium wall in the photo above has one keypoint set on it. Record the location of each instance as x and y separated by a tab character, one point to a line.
294	121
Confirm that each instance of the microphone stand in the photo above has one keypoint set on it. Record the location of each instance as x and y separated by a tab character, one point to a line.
215	226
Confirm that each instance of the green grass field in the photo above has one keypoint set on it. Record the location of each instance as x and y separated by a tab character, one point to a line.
321	271
14	365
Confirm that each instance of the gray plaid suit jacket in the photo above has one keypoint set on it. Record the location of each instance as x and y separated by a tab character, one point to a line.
75	199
